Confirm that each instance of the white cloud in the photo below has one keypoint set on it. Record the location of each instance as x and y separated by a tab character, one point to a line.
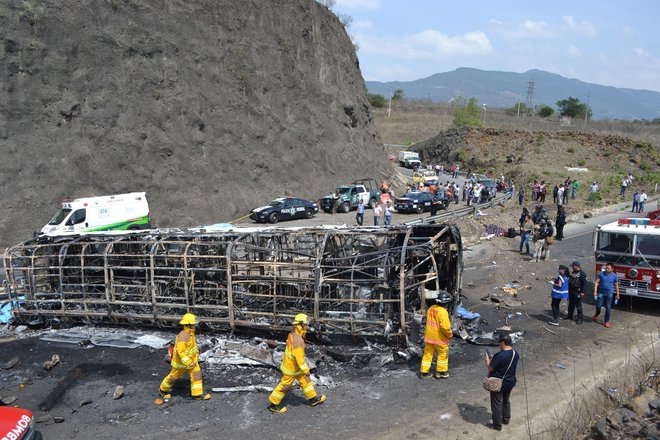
359	4
567	27
573	51
534	27
362	24
579	27
428	44
641	52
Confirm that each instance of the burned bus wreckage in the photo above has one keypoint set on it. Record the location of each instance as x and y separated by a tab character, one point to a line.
368	281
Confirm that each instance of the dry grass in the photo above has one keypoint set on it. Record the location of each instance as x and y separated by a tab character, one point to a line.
416	121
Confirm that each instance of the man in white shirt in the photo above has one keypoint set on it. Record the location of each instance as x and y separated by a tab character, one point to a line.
642	198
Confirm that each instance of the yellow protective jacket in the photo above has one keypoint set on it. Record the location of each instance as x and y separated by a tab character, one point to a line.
438	327
294	363
185	351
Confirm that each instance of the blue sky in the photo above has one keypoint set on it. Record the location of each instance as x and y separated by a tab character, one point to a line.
605	42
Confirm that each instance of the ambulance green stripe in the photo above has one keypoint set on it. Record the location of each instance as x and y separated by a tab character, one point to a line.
121	226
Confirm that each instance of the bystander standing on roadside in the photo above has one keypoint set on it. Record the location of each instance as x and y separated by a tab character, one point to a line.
526	228
635	205
577	286
359	216
642	199
521	195
559	292
560	222
624	185
574	189
378	213
605	287
555	193
388	213
549	240
335	202
502	365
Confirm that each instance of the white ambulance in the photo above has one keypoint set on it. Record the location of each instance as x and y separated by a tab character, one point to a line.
91	214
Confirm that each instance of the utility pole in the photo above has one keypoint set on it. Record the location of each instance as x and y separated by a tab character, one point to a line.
530	96
389	107
586	111
484	108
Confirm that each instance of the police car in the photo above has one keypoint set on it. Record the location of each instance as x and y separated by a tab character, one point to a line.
415	201
284	208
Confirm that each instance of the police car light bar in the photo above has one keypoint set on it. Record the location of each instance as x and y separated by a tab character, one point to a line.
639	221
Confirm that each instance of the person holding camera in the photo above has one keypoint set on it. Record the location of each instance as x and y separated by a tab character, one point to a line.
502	365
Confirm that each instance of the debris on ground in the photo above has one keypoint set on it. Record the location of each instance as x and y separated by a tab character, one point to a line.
48	365
119	392
8	400
11	363
463	313
86	336
560	365
243	389
85	402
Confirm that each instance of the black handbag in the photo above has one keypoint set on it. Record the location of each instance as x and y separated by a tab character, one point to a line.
494	384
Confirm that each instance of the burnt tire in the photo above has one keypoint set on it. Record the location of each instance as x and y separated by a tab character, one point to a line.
345	207
273	218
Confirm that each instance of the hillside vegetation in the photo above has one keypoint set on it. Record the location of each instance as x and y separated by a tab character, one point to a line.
530	148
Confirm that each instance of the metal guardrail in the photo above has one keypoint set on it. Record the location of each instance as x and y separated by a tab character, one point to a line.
472	210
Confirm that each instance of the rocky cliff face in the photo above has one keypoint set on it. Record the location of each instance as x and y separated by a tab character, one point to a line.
211	106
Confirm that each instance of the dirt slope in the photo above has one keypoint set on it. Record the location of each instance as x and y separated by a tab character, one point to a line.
212	106
545	155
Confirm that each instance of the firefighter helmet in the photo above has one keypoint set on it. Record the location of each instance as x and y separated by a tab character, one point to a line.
443	299
188	319
300	318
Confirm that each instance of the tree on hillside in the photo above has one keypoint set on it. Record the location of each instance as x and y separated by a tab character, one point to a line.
519	109
546	111
572	107
466	113
376	100
398	94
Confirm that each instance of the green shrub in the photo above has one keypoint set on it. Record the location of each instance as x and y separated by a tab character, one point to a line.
645	166
376	100
459	156
594	197
570	150
581	162
28	12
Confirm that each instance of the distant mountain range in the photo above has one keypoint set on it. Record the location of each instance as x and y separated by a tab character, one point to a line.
506	89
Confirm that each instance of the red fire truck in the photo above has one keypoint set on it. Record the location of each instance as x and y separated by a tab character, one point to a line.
632	245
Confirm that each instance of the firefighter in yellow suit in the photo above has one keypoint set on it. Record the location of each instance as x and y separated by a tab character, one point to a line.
294	367
436	338
185	359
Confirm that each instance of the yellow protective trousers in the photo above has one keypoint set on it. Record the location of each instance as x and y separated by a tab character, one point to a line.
442	364
285	385
196	385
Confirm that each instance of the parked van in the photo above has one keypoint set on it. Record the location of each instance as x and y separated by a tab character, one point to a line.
91	214
409	159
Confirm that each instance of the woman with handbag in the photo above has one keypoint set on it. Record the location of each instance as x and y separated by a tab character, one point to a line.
500	381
